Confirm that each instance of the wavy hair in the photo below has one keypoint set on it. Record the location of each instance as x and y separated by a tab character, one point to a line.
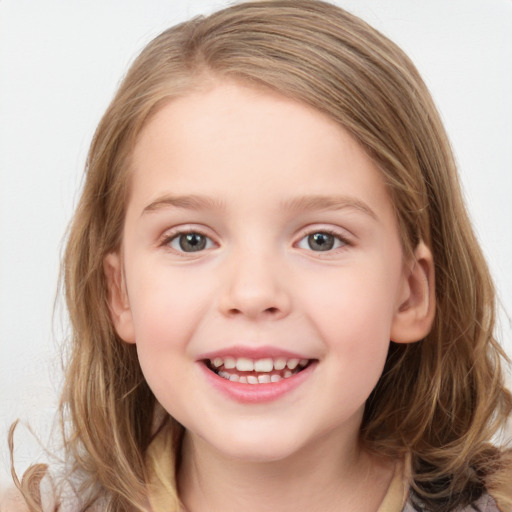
439	401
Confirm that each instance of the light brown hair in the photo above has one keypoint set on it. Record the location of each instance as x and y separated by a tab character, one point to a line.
440	400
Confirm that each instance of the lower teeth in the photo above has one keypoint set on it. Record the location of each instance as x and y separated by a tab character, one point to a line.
256	379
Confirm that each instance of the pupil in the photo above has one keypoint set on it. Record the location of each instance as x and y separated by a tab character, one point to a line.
192	242
321	241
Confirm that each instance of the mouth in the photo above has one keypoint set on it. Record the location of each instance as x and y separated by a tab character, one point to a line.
256	371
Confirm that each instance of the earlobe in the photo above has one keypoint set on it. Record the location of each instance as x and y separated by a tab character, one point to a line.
415	308
118	302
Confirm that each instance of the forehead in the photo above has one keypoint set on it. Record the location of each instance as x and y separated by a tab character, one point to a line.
229	139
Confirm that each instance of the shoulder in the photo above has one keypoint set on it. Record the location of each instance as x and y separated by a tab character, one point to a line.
44	497
12	500
484	504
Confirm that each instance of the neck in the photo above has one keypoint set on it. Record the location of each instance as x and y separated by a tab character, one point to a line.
329	475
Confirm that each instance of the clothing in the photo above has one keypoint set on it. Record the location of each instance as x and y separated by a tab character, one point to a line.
397	498
484	504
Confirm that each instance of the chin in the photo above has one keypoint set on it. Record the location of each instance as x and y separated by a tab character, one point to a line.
260	453
253	447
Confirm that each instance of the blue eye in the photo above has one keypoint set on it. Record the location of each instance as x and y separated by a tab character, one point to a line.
190	242
321	241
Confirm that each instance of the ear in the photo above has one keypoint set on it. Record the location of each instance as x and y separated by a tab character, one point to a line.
118	302
415	308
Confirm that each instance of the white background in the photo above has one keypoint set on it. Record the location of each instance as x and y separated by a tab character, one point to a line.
60	62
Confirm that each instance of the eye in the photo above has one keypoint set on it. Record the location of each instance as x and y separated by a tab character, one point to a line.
321	241
189	242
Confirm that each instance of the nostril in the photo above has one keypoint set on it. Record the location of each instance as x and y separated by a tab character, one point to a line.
254	304
271	311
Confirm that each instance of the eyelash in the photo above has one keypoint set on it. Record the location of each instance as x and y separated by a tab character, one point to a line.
175	236
331	232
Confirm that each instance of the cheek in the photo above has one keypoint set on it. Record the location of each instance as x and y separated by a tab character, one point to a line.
347	301
353	311
167	306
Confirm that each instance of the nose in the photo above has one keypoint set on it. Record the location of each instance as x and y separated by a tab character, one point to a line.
255	287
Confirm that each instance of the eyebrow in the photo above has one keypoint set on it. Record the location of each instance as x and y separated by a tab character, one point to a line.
328	203
188	202
302	203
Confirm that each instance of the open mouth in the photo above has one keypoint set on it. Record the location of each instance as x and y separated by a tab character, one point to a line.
256	371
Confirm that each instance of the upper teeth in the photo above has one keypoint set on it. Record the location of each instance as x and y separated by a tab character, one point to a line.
244	364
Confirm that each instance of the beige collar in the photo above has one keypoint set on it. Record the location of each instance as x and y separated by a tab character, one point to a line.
398	489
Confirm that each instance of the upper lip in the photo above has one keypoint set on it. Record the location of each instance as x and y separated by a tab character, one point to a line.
260	352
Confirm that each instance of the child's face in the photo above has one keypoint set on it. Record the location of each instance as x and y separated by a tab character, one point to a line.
257	228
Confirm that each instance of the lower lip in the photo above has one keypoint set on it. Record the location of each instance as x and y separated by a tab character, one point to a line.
257	393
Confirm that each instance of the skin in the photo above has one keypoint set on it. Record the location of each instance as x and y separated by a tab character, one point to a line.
258	282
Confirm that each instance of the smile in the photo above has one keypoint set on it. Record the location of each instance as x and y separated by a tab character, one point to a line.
256	371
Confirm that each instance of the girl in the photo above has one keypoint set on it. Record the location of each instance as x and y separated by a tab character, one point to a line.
276	297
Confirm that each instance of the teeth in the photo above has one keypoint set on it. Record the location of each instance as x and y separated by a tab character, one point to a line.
229	363
280	363
292	363
244	365
264	365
